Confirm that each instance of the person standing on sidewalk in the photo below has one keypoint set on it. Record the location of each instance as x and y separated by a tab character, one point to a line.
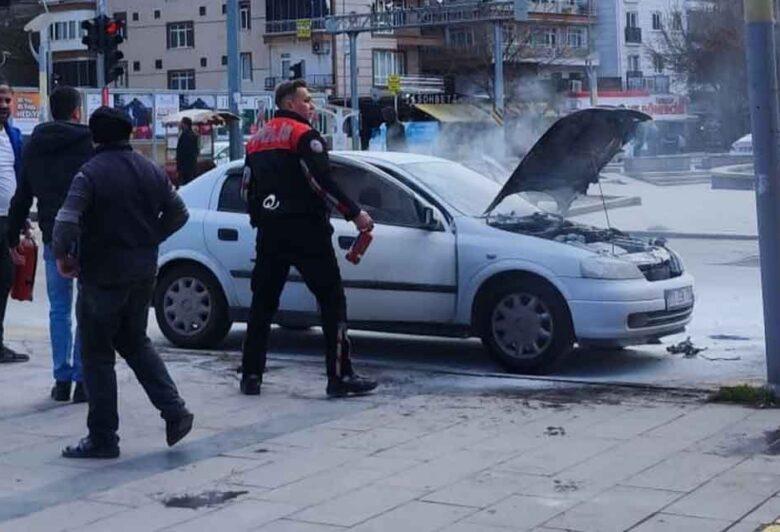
10	166
120	207
187	151
50	159
289	195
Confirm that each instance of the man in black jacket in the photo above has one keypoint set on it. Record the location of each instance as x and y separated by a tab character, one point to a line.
52	156
290	192
187	150
120	207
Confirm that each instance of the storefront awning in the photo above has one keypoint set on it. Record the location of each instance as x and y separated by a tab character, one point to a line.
455	112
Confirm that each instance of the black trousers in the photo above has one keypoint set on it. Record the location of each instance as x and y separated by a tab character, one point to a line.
114	319
306	244
6	273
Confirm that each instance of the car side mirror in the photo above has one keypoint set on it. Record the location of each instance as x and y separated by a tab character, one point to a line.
429	220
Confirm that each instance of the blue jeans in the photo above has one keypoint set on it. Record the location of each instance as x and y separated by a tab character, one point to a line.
60	290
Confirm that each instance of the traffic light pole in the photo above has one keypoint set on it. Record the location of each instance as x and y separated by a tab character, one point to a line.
353	90
765	118
100	64
234	78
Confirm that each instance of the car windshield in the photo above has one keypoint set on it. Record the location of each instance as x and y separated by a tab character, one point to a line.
466	190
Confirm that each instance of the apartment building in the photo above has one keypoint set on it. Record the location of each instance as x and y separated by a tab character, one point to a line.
182	45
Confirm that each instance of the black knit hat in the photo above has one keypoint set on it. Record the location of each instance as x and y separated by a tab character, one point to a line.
109	125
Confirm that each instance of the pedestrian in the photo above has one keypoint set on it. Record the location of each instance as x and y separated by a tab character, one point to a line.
396	132
118	210
290	191
50	159
187	151
10	168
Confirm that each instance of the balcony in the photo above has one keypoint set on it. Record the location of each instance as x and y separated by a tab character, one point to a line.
633	35
282	27
653	84
561	7
315	81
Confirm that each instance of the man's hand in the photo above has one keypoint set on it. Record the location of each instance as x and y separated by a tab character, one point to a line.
16	257
363	222
68	267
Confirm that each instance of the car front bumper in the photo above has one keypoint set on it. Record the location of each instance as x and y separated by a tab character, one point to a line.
621	313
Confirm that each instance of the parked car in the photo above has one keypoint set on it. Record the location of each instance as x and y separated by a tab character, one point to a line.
528	283
743	146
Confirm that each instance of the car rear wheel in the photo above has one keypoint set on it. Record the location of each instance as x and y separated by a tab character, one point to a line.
525	325
191	308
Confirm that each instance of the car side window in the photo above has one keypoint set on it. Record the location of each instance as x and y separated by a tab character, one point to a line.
386	203
230	196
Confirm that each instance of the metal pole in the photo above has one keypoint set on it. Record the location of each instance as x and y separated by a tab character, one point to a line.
100	63
498	60
763	92
353	90
234	78
43	73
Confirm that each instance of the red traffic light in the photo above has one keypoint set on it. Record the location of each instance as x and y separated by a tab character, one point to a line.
114	27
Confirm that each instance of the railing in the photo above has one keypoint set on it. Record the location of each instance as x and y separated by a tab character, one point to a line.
314	81
633	35
561	7
654	84
291	26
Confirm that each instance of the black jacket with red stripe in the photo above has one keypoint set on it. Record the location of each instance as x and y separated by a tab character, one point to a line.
287	173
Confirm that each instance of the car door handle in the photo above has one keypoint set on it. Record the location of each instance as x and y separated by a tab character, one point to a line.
345	242
228	235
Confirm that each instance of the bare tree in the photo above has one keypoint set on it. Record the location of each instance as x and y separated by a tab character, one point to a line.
709	54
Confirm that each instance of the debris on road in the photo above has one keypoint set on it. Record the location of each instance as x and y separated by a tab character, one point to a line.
686	348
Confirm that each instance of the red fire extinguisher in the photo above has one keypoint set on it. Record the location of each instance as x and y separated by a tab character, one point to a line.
359	247
24	274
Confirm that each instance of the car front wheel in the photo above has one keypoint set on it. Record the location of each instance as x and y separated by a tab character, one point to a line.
525	325
190	307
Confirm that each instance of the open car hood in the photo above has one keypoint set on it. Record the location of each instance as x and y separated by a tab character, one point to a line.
573	152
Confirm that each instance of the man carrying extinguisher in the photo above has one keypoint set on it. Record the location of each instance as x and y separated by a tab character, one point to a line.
10	165
55	152
290	192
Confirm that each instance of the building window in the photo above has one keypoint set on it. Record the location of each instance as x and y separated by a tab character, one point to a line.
632	19
658	64
462	38
549	38
245	15
203	62
135	17
224	60
76	73
181	35
156	13
677	22
576	38
64	31
122	15
181	80
136	66
634	63
295	9
158	64
386	63
246	66
224	9
657	24
202	11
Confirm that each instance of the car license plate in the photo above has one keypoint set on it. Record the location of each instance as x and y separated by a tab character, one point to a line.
679	298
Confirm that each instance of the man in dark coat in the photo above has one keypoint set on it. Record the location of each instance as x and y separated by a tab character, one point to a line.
52	156
187	150
120	207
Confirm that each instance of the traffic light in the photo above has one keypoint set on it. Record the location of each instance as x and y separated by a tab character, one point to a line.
92	38
296	71
112	38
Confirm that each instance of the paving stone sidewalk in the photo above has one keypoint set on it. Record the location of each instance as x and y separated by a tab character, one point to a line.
428	452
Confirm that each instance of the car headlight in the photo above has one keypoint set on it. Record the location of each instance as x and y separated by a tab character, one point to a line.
676	262
609	268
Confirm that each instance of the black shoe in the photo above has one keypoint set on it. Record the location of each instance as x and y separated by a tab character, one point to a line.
61	391
177	428
80	393
8	356
250	384
350	384
88	448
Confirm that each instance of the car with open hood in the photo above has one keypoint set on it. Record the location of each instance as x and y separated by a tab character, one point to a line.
454	254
